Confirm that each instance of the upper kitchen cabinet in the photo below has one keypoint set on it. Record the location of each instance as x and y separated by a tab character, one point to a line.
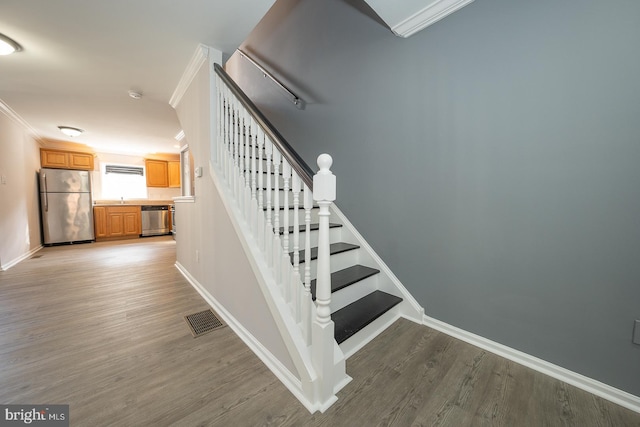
63	159
162	173
174	174
157	173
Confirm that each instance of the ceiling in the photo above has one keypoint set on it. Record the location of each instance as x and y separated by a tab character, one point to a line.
80	59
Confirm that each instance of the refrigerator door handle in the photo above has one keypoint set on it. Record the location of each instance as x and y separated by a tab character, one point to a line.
46	196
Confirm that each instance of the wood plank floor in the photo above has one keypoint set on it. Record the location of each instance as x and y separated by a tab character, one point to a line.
100	327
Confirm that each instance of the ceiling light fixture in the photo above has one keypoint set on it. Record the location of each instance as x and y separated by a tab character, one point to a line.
69	131
179	136
8	46
135	95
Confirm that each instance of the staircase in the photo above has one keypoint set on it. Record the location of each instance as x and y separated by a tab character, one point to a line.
338	293
356	298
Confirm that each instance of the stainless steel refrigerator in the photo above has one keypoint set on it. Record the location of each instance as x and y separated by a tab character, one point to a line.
65	206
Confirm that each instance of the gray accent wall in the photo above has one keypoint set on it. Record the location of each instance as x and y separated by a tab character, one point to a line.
492	160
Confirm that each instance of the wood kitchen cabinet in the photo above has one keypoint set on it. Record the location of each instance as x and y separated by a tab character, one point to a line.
157	173
174	174
100	222
117	222
63	159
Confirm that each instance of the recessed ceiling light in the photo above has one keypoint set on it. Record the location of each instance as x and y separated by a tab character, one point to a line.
8	46
69	131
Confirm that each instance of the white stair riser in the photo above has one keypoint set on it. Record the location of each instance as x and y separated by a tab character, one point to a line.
334	236
338	262
354	292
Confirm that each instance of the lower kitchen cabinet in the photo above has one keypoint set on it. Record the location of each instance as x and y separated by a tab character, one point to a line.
117	222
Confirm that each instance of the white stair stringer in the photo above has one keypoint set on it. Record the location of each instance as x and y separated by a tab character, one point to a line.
385	281
307	389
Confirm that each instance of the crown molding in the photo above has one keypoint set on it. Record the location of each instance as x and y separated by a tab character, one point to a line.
199	57
404	21
8	111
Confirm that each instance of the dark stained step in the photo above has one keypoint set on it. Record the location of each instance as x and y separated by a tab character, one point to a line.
334	248
312	227
348	276
355	316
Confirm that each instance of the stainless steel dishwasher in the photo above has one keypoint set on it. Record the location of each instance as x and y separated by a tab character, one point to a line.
155	220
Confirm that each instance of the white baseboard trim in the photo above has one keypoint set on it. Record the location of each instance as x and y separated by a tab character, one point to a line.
602	390
279	370
20	258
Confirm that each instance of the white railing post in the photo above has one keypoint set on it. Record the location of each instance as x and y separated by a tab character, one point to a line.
324	193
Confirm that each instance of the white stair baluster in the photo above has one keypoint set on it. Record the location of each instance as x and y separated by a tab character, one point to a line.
223	119
277	245
241	158
254	192
268	247
295	281
247	166
246	139
230	142
234	175
225	165
286	259
218	122
261	213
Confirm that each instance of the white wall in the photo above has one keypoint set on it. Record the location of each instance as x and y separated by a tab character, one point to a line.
207	245
19	205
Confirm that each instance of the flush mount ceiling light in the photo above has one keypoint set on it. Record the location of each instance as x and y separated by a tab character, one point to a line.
8	46
135	95
69	131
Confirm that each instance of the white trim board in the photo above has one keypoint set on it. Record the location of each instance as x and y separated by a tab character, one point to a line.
602	390
8	111
20	258
199	56
407	17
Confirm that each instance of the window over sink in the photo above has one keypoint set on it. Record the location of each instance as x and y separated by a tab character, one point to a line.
120	181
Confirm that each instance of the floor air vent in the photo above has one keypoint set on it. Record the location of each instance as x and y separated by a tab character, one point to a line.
202	322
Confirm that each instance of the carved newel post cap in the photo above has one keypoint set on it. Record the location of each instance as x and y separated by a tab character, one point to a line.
324	182
324	163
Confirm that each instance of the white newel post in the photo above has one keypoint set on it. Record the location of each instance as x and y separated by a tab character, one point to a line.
324	193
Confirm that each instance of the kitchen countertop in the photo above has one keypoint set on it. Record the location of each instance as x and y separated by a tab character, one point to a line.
132	202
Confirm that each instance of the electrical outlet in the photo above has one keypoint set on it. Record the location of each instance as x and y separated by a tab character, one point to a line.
636	332
3	179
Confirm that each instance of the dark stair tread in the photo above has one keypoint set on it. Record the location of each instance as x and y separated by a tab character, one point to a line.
334	248
355	316
312	227
346	277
